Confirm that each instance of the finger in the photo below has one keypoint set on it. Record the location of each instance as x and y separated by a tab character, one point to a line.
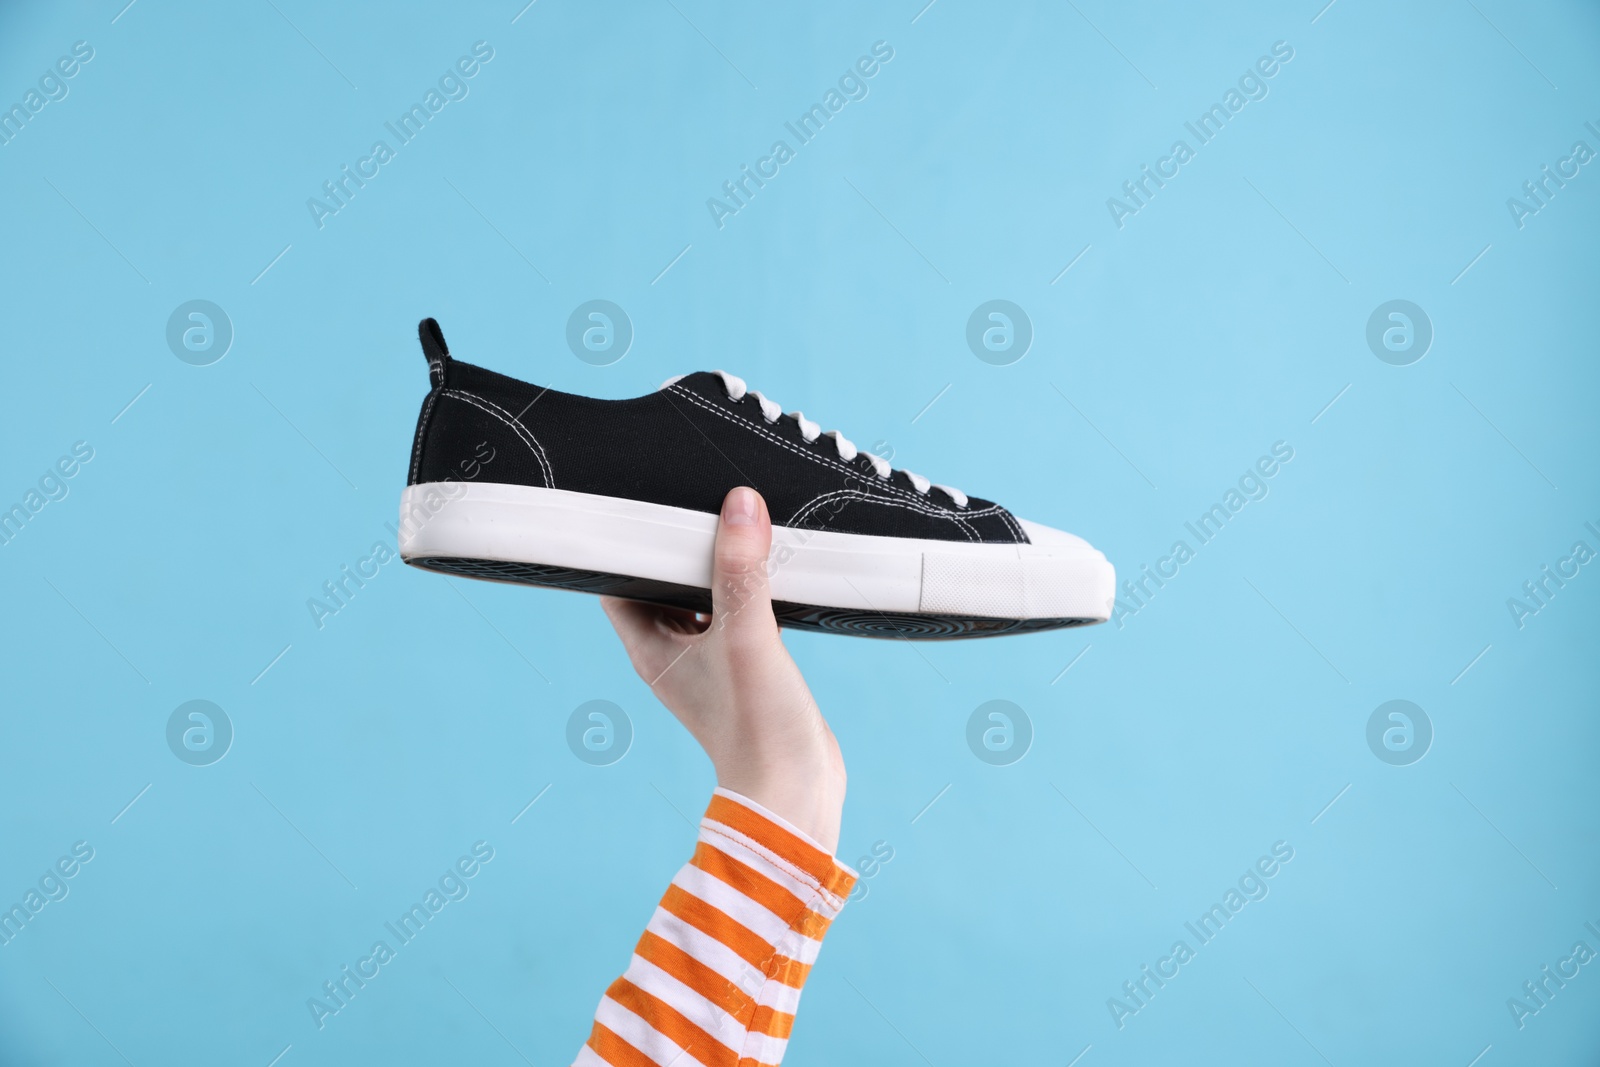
629	618
641	617
739	595
643	637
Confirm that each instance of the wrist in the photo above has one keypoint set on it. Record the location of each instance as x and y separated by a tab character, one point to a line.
811	798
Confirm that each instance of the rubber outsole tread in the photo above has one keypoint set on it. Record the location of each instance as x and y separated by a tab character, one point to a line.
851	621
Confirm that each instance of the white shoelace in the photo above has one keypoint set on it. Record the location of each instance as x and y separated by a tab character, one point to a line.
771	411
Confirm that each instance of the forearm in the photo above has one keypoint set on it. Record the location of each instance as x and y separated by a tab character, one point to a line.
718	972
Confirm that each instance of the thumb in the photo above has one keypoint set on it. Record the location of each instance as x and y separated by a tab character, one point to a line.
739	594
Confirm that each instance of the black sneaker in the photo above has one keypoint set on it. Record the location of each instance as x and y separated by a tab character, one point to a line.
511	482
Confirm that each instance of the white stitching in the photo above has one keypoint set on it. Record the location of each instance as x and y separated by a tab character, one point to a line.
958	521
491	408
961	516
422	431
956	517
799	874
775	439
871	498
926	509
887	486
1010	521
817	900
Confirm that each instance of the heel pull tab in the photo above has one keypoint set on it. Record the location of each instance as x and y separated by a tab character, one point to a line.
435	349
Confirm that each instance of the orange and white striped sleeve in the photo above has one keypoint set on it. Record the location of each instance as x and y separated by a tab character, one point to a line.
716	978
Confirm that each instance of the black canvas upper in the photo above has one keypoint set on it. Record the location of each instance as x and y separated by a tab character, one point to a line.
684	446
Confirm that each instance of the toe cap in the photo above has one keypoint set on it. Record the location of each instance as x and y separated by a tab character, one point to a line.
1048	537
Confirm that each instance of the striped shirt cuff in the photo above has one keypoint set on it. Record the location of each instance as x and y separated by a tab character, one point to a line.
716	978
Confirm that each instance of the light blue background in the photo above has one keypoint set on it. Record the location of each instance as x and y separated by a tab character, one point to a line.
1223	717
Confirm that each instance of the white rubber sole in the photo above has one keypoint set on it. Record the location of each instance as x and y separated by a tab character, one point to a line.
512	531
